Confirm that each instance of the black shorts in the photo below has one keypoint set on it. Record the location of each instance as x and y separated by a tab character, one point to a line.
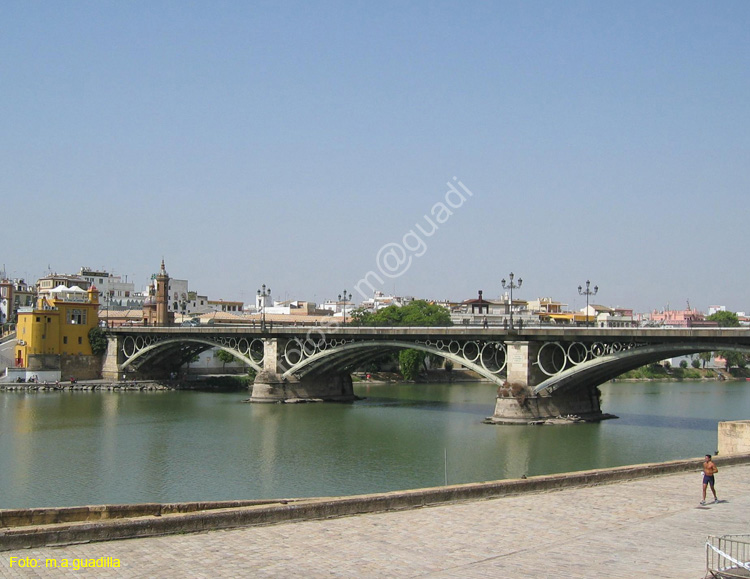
708	479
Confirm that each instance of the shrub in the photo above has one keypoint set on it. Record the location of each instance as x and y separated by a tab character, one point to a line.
410	361
98	341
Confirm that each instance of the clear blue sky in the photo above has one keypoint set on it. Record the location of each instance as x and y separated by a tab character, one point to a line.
286	143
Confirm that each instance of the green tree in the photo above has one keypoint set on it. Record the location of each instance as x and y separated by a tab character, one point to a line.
417	313
410	361
225	357
733	358
360	317
98	341
725	319
695	363
192	360
705	357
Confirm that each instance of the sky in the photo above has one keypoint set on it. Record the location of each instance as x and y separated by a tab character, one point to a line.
430	148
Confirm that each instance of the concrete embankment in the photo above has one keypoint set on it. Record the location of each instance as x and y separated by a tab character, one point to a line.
88	386
23	528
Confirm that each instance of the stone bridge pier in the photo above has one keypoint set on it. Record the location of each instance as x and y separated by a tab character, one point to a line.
517	402
276	384
112	359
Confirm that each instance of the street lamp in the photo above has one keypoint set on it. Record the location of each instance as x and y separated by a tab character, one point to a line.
344	298
511	286
588	292
263	294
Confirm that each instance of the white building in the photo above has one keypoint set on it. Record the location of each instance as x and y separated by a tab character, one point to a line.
180	299
14	294
186	302
338	308
115	294
377	302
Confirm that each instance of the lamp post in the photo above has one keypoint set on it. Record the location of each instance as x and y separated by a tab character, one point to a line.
344	297
511	286
263	294
588	292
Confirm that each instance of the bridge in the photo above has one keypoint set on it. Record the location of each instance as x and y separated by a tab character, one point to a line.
541	372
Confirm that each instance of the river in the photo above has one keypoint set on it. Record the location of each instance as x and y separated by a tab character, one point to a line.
75	448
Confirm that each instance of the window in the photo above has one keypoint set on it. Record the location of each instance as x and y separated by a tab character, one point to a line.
80	340
38	319
65	339
77	316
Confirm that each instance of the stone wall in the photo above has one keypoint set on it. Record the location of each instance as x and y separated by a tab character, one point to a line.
80	367
734	437
40	362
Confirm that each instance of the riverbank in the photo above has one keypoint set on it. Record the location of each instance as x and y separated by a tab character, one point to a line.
202	383
657	372
85	386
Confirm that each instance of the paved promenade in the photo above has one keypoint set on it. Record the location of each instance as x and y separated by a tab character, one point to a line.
645	528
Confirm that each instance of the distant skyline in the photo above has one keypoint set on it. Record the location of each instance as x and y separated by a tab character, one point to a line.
307	145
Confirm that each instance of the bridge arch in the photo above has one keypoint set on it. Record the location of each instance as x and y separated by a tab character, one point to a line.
345	356
603	368
173	345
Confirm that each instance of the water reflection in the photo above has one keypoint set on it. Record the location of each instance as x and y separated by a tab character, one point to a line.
679	422
84	448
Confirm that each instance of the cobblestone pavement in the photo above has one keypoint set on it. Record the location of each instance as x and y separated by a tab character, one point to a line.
645	528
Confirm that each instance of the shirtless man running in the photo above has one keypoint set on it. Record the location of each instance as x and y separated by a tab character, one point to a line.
709	470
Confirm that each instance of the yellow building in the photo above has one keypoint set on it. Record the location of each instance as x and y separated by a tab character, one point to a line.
58	325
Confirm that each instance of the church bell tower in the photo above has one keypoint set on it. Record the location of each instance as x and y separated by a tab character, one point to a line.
163	316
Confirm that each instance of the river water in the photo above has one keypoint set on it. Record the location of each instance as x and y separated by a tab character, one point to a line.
75	448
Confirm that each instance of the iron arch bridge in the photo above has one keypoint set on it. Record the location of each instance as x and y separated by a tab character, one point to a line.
546	370
153	352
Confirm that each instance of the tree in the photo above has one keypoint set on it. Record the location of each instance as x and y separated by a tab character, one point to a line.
725	319
733	358
683	364
98	341
417	313
695	363
705	357
225	357
195	357
410	361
